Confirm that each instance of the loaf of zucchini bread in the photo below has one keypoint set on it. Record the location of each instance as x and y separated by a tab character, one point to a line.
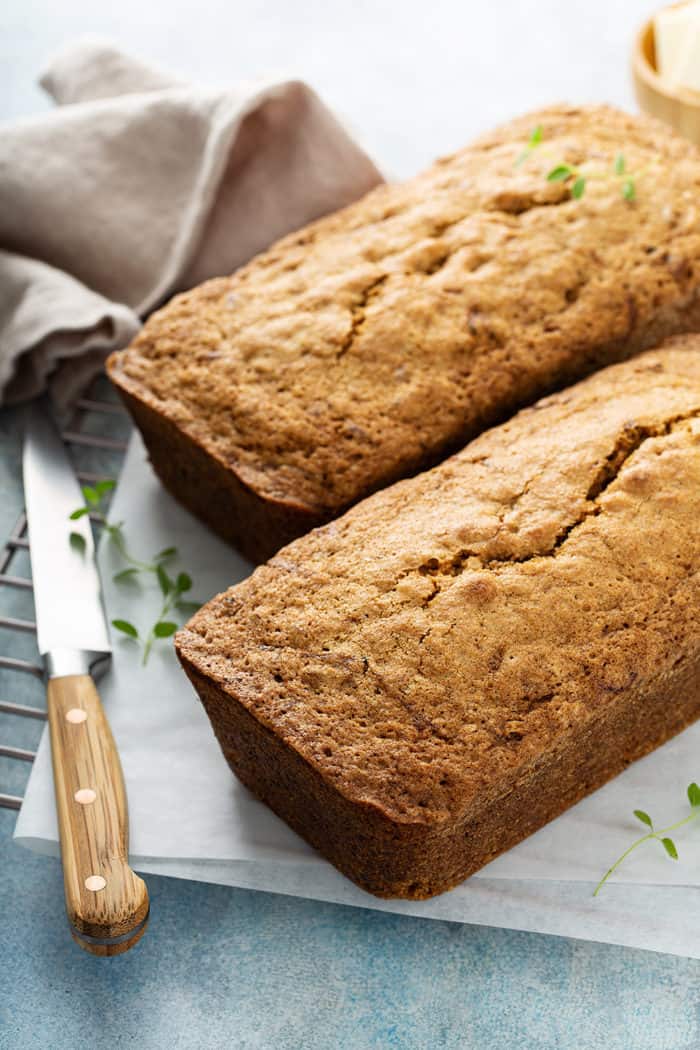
420	684
373	343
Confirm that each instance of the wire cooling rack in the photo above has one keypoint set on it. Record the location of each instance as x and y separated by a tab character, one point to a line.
96	439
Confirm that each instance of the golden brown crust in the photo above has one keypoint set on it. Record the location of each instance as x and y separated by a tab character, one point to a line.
466	653
215	493
372	343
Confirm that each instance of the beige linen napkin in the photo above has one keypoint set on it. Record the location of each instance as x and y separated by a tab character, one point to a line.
138	186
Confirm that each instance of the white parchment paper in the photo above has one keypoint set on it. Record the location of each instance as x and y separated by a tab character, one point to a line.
190	818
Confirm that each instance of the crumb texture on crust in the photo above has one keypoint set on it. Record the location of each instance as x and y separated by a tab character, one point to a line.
432	646
379	339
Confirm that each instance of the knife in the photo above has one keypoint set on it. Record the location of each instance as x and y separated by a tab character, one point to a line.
107	904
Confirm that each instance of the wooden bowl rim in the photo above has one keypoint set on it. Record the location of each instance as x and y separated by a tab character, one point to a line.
654	81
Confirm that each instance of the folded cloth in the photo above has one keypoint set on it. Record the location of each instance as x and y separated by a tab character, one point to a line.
139	186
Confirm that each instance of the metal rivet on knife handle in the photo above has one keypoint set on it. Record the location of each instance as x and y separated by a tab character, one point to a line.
75	715
95	883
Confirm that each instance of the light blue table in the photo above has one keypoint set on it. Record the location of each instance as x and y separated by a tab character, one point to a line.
230	968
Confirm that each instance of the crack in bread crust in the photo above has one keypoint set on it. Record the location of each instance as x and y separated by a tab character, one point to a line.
630	439
358	312
381	339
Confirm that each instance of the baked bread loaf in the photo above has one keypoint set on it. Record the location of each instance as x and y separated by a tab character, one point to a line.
419	685
376	341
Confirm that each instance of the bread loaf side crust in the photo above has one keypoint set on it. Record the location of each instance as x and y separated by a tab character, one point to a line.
417	861
213	492
420	684
375	342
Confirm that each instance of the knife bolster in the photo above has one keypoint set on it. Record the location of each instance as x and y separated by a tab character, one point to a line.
60	663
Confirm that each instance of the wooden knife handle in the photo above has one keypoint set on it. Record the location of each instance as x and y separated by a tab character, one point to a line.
107	903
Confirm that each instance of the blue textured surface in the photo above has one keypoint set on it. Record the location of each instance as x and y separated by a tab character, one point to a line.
222	967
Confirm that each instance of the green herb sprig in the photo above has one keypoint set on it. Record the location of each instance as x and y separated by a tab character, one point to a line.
94	506
629	189
532	143
577	180
575	177
566	172
659	834
172	590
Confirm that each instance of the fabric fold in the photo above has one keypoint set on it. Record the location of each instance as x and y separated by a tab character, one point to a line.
139	186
